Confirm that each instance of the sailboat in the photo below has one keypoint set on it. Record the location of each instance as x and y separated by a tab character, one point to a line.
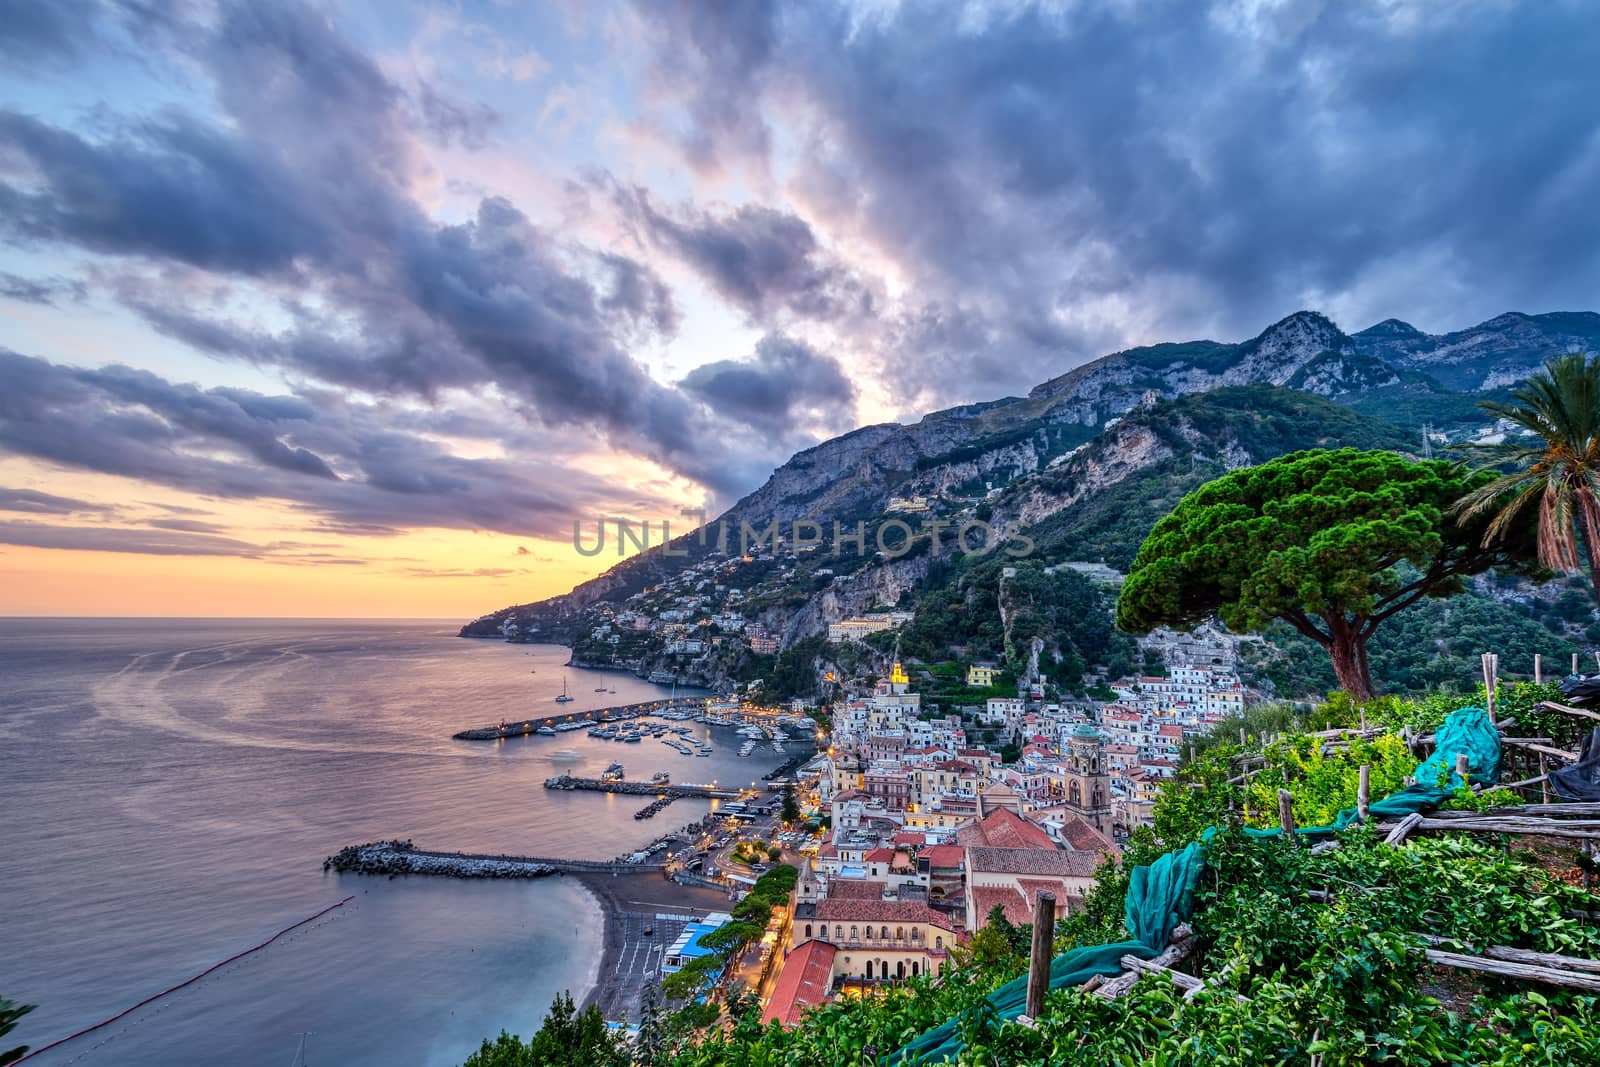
565	697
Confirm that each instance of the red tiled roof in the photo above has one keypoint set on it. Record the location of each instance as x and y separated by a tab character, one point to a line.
1080	835
985	897
1034	862
879	855
955	765
804	981
855	889
1004	828
880	911
944	855
1031	888
909	837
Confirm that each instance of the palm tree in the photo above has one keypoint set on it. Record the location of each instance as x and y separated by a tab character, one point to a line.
1558	469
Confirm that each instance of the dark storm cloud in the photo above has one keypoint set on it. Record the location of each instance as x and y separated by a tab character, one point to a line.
169	189
36	33
786	382
343	465
1168	169
763	261
305	190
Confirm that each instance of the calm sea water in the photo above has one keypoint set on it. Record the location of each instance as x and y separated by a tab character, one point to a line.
168	790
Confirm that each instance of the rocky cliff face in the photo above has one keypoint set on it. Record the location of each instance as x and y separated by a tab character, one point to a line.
1006	441
1487	356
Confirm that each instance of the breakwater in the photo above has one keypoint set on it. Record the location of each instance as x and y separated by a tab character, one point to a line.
532	724
650	810
789	766
402	857
640	789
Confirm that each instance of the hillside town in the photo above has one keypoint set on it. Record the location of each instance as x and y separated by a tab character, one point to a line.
930	827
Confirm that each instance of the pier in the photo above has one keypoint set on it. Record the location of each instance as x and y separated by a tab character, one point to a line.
594	716
402	857
641	789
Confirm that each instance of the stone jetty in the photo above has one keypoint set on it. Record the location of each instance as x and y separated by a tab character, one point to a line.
402	857
639	789
650	810
531	725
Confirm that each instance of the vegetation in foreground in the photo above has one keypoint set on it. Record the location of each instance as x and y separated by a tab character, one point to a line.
1304	955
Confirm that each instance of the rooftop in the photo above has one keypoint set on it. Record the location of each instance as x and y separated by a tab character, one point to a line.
1032	861
803	982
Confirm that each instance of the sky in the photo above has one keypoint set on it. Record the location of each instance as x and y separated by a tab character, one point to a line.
355	308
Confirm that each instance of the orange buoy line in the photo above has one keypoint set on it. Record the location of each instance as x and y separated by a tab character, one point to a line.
173	989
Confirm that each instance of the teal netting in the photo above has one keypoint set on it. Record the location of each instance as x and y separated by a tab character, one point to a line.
1161	895
1467	731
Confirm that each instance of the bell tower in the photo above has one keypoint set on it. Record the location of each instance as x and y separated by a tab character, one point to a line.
1087	779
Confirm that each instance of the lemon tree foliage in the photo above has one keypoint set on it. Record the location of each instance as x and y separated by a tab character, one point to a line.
1330	542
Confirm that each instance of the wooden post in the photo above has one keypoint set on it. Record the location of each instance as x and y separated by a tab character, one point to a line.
1461	765
1241	737
1364	791
1491	671
1574	663
1544	778
1286	813
1538	669
1044	931
1363	720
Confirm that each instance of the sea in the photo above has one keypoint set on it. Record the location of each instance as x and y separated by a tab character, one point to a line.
170	788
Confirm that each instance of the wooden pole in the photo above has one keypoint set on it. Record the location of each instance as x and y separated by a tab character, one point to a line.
1363	720
1402	828
1044	929
1538	669
1286	813
1544	778
1461	765
1364	791
1574	663
1241	737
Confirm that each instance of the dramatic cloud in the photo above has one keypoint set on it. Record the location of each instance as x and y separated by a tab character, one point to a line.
44	291
33	502
763	261
785	384
343	464
403	304
461	299
121	539
1071	177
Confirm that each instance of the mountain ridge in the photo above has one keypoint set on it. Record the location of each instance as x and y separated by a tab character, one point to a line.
1390	370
